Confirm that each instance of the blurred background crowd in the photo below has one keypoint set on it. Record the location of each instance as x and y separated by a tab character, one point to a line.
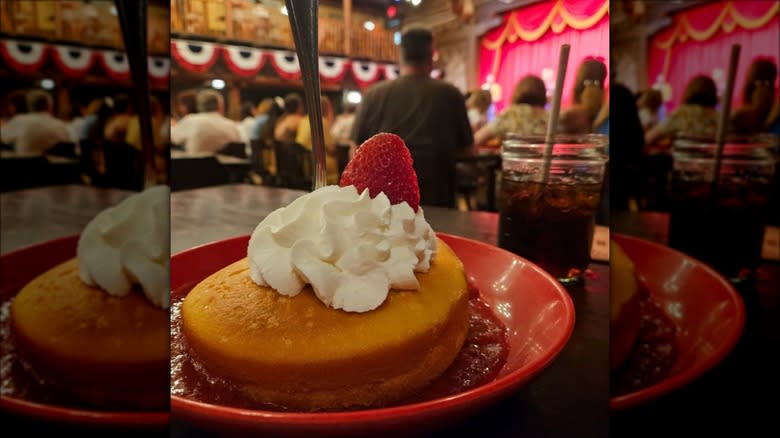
227	100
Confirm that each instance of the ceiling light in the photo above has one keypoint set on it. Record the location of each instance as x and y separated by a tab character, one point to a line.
217	84
354	97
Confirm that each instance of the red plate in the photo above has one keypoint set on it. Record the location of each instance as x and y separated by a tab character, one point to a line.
19	267
536	309
705	307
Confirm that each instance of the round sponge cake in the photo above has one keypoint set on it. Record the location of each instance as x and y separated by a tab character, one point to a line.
625	306
103	350
298	353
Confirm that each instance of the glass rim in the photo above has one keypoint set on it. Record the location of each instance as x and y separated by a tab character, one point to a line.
743	140
584	140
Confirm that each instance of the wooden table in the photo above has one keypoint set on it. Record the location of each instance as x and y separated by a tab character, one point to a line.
739	396
569	399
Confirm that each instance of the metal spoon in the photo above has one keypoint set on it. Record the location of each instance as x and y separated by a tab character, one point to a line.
132	19
303	20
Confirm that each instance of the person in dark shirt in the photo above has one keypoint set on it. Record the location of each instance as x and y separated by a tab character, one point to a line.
429	114
625	151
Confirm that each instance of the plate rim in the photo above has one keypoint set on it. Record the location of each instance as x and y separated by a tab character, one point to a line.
72	415
486	392
689	375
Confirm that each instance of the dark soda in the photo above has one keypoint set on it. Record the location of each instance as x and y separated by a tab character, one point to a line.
550	225
725	232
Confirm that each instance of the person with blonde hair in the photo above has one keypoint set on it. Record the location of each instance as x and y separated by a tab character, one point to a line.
525	115
588	98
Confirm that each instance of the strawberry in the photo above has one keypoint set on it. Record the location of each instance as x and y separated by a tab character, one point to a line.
383	164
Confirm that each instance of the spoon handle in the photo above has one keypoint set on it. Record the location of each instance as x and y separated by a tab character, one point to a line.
133	21
303	20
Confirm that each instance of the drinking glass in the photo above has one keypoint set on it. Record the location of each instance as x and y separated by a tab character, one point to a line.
550	222
722	223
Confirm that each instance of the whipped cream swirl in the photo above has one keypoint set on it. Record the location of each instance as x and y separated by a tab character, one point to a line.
129	244
351	248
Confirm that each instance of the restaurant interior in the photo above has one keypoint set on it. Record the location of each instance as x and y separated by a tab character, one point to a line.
619	162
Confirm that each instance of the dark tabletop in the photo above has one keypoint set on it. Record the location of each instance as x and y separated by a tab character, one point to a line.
739	396
37	215
569	399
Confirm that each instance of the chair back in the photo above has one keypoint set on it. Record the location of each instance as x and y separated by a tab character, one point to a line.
293	166
124	166
195	172
63	149
256	158
234	150
23	173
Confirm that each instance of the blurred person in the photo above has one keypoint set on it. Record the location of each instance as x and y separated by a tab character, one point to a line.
758	96
428	114
248	113
34	132
286	127
115	129
478	103
266	133
625	152
588	98
773	121
649	103
15	103
208	130
303	138
261	117
696	116
94	128
186	103
78	116
525	115
601	123
342	126
133	136
90	117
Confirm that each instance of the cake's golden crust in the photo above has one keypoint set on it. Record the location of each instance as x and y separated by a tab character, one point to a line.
625	302
104	349
296	352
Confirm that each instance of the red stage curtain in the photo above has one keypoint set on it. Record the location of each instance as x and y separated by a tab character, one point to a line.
529	40
700	40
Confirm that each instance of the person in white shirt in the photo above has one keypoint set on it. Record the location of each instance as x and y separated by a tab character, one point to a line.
208	130
33	133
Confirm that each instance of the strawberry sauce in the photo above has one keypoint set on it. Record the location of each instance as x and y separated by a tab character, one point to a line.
654	354
480	359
